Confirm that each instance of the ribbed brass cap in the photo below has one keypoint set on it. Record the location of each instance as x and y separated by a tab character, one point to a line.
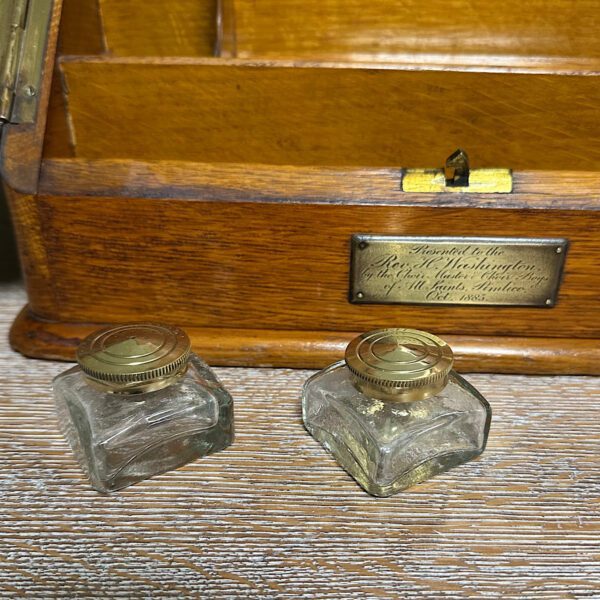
137	357
399	364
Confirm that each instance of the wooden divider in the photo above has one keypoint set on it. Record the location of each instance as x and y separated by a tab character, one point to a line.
159	28
211	110
139	27
383	29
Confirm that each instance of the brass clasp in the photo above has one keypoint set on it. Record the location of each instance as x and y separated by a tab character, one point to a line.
457	169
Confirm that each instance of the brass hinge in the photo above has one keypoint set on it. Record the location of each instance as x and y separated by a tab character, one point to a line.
23	35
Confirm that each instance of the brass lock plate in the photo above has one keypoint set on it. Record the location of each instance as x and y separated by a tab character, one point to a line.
481	181
458	177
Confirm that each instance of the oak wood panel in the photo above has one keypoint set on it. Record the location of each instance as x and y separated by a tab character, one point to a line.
58	138
166	28
220	111
264	265
382	29
316	349
31	246
81	30
21	144
231	182
274	517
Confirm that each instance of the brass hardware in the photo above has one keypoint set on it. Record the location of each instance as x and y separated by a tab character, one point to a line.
457	176
23	35
456	270
401	365
457	169
134	358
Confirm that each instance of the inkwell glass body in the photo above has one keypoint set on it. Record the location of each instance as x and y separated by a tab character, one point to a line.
140	403
394	413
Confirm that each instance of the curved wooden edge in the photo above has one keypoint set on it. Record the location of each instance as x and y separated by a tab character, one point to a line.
37	338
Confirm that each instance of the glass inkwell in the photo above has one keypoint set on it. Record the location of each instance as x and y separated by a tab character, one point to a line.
140	403
394	413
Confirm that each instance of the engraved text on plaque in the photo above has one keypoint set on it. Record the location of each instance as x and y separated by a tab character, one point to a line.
456	270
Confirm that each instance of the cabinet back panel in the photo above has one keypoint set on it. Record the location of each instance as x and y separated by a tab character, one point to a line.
383	29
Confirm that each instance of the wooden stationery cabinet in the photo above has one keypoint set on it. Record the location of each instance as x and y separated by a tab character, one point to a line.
222	166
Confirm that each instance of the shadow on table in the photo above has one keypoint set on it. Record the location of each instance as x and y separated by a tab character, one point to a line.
9	263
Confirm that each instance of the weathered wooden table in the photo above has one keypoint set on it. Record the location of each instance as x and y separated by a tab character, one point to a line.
274	517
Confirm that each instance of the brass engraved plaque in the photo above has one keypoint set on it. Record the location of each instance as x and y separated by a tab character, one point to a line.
456	270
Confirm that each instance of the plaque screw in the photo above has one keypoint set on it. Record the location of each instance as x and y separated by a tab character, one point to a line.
549	301
360	295
30	91
558	250
363	245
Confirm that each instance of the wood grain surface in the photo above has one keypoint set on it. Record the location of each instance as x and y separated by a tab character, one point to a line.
81	31
189	260
250	294
165	28
274	517
138	27
40	338
233	182
209	110
383	29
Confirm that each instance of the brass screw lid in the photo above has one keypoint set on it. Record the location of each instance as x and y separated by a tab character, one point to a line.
399	364
137	357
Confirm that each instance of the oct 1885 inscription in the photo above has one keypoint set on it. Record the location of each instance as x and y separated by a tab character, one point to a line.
456	270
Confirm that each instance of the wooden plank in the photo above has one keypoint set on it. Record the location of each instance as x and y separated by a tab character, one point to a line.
384	29
270	265
166	28
81	30
233	182
316	349
273	515
209	111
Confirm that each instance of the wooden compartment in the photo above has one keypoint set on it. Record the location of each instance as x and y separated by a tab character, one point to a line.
220	194
463	32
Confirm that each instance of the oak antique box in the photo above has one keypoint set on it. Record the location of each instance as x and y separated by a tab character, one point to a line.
271	176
